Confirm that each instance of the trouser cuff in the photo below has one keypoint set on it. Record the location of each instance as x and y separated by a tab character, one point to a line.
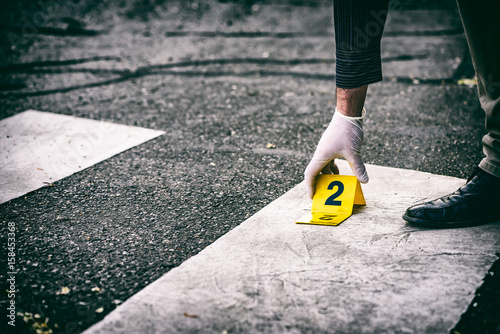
489	168
356	68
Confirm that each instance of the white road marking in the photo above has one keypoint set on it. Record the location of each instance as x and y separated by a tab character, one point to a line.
39	148
372	273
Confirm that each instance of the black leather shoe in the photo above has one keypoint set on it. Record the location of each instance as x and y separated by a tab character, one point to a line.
475	203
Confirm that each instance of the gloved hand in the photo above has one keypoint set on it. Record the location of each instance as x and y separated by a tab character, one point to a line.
342	138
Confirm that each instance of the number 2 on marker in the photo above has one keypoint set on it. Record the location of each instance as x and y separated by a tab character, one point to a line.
340	189
327	217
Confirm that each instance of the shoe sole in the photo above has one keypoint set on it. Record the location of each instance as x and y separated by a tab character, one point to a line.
467	223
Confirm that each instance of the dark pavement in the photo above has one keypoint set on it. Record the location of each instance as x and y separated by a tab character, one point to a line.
243	91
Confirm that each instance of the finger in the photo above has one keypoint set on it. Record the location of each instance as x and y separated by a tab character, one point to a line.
310	182
358	168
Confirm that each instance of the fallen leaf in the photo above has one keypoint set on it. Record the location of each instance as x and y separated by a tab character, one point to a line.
270	145
469	82
190	315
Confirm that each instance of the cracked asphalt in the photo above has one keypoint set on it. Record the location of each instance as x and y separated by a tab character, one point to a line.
243	90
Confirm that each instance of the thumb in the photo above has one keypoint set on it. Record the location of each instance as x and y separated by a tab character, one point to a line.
358	168
313	169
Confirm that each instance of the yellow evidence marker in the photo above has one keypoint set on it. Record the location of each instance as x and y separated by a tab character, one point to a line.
334	199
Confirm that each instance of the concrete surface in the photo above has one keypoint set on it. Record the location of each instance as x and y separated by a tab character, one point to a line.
40	148
371	274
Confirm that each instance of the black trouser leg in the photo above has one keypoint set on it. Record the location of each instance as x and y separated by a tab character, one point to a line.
480	20
359	25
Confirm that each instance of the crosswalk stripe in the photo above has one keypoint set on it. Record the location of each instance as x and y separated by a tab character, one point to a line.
38	148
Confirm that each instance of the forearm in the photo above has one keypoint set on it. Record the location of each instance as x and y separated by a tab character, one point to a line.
350	101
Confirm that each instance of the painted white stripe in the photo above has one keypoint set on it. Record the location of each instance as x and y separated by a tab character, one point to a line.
38	148
372	273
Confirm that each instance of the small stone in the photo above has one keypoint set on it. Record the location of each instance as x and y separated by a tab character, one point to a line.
64	290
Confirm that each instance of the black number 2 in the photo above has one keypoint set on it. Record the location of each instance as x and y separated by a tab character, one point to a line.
340	189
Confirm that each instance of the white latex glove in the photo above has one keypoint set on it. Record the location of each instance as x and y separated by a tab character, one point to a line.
342	138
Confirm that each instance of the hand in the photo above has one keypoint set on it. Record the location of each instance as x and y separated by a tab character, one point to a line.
342	138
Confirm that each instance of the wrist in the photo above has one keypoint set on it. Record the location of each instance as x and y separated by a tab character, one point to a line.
342	115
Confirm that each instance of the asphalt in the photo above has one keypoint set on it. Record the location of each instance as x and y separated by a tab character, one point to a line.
243	92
